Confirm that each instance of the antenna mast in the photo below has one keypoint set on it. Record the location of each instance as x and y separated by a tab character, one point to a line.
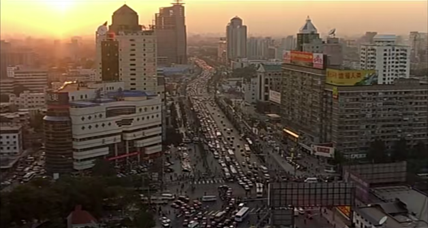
178	3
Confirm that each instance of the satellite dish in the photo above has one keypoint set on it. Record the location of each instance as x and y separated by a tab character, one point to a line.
383	220
332	32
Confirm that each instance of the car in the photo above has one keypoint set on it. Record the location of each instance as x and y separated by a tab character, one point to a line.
301	211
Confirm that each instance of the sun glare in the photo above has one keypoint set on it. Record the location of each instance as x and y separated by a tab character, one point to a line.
61	5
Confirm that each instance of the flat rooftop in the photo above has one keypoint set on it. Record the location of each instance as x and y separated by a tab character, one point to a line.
375	213
416	201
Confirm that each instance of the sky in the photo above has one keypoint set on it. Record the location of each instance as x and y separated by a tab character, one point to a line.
63	18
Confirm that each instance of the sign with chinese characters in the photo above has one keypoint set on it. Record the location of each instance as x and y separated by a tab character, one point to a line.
323	151
351	77
307	59
275	96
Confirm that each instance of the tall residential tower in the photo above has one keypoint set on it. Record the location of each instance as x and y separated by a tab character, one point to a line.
236	39
171	35
126	51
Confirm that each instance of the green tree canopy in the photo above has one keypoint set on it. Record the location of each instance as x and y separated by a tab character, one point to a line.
245	72
103	168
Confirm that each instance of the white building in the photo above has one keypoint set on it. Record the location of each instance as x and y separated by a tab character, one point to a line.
387	57
236	39
104	121
127	52
83	75
10	139
28	100
251	89
32	79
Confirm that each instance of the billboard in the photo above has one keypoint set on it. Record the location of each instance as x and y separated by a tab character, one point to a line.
307	59
275	96
57	98
345	210
323	151
351	77
285	194
384	173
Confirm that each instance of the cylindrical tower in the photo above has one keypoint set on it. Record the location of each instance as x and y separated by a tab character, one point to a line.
58	134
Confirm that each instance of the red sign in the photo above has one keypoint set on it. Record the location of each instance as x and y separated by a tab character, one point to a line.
308	59
123	156
323	151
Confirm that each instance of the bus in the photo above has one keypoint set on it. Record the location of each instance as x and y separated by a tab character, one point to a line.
209	198
259	190
219	216
230	152
242	213
247	149
233	170
29	176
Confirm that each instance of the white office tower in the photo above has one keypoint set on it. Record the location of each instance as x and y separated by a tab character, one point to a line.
390	60
126	51
236	39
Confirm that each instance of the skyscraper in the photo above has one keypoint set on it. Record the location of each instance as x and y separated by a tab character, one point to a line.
126	51
306	34
171	35
236	39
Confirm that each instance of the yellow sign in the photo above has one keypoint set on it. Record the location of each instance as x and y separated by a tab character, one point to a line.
335	93
351	77
345	210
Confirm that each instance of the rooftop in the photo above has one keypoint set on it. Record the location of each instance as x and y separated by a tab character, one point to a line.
416	201
308	27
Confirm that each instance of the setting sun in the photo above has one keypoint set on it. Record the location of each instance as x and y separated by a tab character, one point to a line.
61	5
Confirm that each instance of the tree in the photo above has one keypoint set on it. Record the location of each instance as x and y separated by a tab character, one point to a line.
245	72
377	152
400	151
103	168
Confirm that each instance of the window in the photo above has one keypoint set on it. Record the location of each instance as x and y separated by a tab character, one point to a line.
132	64
132	84
132	55
145	109
132	60
132	49
132	79
132	69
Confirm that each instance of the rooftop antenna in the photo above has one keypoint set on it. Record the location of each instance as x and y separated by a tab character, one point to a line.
332	32
178	3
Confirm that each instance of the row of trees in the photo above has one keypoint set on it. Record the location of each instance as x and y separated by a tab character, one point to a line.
44	200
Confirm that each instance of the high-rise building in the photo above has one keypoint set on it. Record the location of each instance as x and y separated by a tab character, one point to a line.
306	34
236	39
170	25
126	51
390	60
260	48
354	116
221	50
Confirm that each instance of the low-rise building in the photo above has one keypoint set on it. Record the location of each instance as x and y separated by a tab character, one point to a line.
89	121
28	99
10	139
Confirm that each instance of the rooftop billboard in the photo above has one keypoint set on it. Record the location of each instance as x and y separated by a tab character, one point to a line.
351	77
307	59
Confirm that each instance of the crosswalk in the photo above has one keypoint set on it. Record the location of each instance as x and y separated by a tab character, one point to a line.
209	181
253	210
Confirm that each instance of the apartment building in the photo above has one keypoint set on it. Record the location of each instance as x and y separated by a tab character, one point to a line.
126	51
354	116
10	139
268	78
302	91
389	59
28	100
90	121
34	80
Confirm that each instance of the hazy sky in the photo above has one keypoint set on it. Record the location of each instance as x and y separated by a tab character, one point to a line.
281	17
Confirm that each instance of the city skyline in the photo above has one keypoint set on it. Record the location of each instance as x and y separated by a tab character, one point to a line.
75	17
